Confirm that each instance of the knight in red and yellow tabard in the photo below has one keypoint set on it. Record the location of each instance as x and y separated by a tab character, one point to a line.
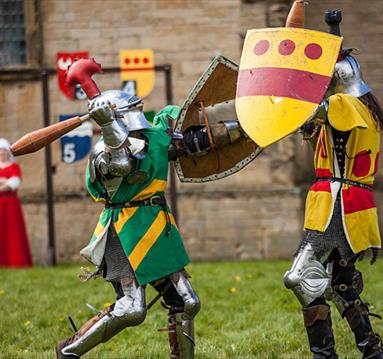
293	78
341	221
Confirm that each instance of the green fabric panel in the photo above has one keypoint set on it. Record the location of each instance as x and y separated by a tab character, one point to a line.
95	188
137	226
167	255
161	119
155	164
149	115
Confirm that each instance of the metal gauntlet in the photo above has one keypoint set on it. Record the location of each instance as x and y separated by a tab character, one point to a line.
114	132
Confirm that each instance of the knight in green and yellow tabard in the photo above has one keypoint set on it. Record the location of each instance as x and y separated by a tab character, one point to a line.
136	240
148	233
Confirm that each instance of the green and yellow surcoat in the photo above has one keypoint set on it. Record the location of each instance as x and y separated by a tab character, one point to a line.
151	249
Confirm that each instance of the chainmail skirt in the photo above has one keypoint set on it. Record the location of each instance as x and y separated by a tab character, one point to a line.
116	265
333	238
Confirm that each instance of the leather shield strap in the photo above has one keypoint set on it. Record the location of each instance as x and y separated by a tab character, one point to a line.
209	134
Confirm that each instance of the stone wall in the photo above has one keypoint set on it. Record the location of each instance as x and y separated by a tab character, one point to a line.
256	213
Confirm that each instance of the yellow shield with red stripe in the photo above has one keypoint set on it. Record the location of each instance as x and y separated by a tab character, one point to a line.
283	76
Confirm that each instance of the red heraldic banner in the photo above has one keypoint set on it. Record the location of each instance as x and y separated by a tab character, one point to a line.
14	246
63	60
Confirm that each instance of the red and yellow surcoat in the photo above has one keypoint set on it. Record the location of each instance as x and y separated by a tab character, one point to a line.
359	213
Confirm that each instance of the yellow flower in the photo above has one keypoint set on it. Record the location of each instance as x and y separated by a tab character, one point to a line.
2	291
61	318
237	278
107	304
232	290
27	323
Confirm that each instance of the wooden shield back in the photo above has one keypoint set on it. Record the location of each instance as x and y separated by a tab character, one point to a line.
216	89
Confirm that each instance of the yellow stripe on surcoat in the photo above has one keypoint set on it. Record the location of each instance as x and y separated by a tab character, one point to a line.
102	200
126	213
146	242
123	217
98	230
154	187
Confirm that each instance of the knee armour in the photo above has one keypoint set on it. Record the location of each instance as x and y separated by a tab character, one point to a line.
307	277
131	313
181	324
190	298
128	311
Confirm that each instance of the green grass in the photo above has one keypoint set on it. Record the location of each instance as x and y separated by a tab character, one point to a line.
246	313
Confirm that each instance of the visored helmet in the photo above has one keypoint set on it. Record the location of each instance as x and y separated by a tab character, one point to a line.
129	108
348	78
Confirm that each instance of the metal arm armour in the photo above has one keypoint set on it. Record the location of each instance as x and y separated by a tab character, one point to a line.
195	140
105	161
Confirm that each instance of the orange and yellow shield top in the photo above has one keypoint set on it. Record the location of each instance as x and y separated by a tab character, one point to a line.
283	76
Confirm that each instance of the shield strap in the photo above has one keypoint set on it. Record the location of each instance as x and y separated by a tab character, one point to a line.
209	135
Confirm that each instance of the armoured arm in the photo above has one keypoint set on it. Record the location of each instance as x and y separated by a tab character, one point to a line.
115	154
195	140
114	133
310	130
105	162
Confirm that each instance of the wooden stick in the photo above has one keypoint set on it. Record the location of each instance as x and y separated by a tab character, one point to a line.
35	140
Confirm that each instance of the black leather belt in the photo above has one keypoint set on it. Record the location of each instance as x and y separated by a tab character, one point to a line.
153	201
345	181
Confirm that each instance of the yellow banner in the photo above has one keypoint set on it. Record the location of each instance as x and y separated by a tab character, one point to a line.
137	71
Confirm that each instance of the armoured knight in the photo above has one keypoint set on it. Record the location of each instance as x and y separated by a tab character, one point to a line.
341	220
136	241
299	78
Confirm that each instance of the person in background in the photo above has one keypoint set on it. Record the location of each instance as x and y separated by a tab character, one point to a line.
14	245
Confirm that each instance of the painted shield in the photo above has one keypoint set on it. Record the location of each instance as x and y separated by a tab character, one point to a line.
63	61
283	77
216	89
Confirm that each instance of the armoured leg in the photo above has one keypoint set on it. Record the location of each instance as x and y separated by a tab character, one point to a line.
128	311
318	325
183	305
347	285
367	341
307	277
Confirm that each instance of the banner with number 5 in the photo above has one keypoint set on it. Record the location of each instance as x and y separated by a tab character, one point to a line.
76	144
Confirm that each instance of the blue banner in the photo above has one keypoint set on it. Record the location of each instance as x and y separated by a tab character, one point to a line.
76	144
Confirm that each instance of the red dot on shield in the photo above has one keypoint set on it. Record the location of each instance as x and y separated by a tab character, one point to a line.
146	60
313	51
261	47
127	60
136	60
286	47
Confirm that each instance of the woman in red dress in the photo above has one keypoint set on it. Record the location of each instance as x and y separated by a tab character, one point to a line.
14	246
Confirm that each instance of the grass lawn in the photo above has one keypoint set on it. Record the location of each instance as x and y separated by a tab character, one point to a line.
246	313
